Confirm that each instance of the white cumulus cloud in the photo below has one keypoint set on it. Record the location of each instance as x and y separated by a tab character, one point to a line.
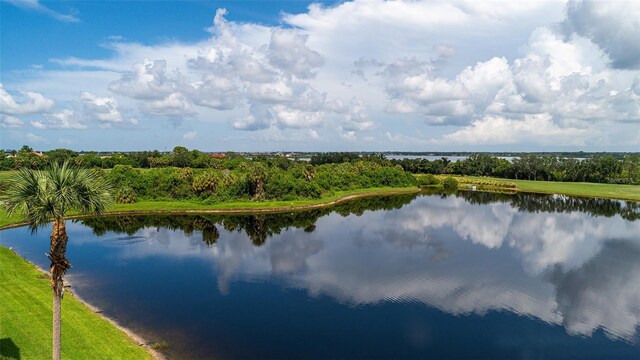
30	103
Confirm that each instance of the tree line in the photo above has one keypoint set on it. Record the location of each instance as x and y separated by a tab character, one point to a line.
179	157
599	169
596	168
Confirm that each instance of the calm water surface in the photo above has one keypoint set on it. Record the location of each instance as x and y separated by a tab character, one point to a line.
469	275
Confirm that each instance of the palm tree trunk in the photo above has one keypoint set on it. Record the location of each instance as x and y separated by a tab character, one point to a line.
56	327
59	266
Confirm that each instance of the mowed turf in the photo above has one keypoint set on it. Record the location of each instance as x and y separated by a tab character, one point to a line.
26	316
610	191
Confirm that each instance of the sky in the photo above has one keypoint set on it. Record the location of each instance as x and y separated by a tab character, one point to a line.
320	76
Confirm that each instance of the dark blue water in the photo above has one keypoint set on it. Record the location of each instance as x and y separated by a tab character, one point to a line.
465	276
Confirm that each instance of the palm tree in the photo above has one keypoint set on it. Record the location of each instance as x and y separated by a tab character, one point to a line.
45	195
309	172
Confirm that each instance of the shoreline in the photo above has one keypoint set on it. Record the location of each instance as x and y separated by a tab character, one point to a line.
241	210
139	340
624	192
68	288
246	206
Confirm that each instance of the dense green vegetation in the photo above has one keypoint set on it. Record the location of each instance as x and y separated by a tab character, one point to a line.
601	168
598	169
192	175
253	180
25	320
195	179
341	157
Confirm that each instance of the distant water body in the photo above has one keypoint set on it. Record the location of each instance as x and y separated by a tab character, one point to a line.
450	158
465	276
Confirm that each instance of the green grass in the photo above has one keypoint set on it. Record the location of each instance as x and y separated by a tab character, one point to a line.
149	206
25	320
8	220
609	191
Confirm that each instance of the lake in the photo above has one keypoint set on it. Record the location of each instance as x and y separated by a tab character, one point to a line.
469	275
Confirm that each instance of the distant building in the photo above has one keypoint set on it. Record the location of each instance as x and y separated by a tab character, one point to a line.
218	156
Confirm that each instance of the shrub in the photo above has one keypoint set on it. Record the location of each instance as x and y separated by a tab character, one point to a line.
205	183
186	174
488	183
126	176
450	183
126	195
428	180
165	182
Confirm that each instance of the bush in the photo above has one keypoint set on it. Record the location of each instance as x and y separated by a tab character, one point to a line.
257	180
206	183
488	183
186	174
428	180
126	195
450	183
126	176
166	183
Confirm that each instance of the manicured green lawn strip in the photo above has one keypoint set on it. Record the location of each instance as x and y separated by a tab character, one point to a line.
186	205
25	319
611	191
6	219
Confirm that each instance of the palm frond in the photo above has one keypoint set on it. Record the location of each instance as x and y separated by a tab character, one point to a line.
40	196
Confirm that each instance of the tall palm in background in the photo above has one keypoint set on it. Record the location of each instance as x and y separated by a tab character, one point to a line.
49	195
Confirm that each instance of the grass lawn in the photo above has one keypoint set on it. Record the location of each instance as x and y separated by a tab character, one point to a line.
610	191
25	320
149	206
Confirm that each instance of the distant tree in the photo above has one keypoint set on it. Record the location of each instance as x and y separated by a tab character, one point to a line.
631	169
160	161
60	155
257	175
6	162
181	156
88	160
309	172
27	158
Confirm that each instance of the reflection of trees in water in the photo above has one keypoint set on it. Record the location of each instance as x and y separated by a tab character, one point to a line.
258	227
527	202
210	234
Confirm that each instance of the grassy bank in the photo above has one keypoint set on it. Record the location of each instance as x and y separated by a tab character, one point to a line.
608	191
150	206
25	320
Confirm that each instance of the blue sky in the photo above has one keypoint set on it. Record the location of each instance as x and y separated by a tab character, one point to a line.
97	21
295	75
